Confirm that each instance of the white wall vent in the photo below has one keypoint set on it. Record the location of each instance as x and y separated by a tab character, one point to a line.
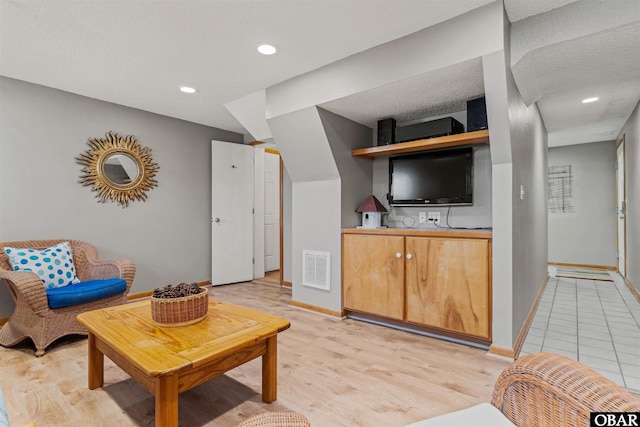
316	269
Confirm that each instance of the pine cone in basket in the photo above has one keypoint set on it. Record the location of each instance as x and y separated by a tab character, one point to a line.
177	291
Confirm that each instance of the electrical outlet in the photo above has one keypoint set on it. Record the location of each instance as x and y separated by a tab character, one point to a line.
422	217
434	218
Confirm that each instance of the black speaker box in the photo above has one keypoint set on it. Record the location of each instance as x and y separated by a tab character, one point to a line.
476	115
431	129
386	131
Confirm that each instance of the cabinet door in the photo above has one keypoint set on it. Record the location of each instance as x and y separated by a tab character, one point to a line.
373	274
448	284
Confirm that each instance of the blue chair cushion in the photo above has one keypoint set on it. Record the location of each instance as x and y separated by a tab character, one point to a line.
82	292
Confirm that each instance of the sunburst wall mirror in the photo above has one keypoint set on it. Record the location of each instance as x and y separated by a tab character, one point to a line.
118	169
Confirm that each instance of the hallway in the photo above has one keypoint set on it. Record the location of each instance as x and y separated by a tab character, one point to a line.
595	322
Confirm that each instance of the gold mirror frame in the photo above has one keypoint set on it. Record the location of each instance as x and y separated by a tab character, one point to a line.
93	172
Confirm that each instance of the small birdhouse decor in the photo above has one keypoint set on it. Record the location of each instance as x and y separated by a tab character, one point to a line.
371	210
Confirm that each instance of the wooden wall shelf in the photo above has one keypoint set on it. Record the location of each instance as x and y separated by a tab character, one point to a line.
457	140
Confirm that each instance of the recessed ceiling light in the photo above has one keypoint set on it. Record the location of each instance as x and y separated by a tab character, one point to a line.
588	100
267	49
187	89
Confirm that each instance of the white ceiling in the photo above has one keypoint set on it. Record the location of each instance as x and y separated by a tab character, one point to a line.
138	52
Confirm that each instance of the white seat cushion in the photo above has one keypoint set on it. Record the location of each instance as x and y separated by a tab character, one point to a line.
483	415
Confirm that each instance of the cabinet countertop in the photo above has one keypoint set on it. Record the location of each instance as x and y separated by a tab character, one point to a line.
448	233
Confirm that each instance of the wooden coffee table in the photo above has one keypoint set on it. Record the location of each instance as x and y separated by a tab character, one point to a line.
168	361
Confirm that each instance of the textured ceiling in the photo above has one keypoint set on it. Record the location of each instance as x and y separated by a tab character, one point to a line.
431	94
137	53
583	49
521	9
602	58
605	65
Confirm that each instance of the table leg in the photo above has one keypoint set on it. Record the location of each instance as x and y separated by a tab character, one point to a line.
167	401
96	364
270	371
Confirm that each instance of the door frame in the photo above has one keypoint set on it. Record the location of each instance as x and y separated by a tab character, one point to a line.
259	217
281	231
620	144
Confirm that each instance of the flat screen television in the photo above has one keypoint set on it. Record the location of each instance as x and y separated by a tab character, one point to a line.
443	177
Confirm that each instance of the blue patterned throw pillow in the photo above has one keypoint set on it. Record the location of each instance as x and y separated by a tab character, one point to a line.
54	265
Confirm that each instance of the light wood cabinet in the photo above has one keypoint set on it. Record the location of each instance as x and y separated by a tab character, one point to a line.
447	284
440	280
374	268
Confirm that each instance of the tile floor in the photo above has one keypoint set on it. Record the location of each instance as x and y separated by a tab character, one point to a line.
592	321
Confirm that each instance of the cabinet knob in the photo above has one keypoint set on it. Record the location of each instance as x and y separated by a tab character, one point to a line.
409	256
398	255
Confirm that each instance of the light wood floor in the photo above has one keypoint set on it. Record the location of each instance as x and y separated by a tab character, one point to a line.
270	278
336	372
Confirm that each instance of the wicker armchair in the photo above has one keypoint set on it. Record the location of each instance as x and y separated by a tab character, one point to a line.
545	389
32	317
542	390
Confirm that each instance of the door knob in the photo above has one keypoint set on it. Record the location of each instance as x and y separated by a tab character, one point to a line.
398	255
217	220
409	256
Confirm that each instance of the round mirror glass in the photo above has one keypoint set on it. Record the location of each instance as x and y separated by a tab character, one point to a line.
121	169
118	169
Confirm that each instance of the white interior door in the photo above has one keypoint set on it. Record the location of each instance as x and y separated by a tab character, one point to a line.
271	211
231	213
621	209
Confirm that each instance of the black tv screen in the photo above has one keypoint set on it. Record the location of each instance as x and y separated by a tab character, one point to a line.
434	178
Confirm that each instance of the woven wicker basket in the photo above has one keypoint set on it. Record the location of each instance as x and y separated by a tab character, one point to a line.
180	311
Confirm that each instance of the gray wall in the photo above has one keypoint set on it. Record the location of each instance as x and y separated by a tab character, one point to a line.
316	199
494	71
519	157
356	173
42	130
631	131
326	190
529	151
588	234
